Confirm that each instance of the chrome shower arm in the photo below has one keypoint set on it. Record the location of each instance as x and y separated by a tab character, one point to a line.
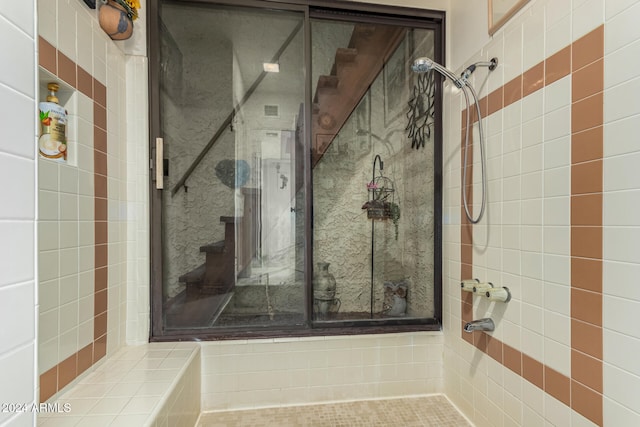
492	64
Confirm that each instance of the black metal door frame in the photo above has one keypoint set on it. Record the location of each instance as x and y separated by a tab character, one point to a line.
316	9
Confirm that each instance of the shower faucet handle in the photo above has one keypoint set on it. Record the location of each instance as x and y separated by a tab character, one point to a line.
481	288
469	284
501	294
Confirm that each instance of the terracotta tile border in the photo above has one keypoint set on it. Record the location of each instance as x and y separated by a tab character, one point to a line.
533	371
65	69
513	91
557	66
583	60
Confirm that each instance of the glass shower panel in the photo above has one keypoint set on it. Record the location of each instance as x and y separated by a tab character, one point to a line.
373	193
232	92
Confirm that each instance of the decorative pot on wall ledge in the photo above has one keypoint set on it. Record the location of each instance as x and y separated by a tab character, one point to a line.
116	18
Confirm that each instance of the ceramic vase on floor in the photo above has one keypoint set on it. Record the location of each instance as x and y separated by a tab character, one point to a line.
395	299
324	289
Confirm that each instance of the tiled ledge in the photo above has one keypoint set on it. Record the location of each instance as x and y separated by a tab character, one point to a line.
155	385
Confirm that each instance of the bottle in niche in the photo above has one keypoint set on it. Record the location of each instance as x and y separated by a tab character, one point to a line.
53	121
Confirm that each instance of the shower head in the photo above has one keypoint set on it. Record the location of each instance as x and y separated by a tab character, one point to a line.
424	64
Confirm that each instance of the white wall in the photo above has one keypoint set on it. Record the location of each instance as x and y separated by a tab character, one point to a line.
18	276
82	258
467	32
525	240
138	234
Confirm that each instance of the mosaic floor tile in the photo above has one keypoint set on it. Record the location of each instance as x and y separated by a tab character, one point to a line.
432	411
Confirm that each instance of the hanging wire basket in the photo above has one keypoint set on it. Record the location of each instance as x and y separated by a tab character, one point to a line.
381	198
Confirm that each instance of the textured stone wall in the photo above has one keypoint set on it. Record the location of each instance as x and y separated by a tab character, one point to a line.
342	233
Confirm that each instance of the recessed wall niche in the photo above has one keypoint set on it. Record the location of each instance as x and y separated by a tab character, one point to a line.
68	99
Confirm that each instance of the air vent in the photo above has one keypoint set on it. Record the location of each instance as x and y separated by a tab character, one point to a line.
271	111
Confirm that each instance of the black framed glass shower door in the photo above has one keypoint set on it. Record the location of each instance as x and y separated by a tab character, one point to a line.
263	110
231	101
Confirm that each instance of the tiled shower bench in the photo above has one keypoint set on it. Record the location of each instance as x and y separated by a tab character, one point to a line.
155	385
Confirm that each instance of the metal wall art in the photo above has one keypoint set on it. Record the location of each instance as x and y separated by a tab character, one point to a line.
421	114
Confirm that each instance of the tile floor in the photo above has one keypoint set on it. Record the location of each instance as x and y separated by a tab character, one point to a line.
435	411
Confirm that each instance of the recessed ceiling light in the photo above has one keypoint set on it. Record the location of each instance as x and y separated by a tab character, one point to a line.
271	67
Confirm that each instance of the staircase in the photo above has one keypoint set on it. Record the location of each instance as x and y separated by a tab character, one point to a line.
217	275
210	285
354	70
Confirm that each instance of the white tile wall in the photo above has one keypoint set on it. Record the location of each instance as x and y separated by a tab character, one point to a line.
555	412
619	104
621	30
586	16
545	218
533	36
117	208
550	18
18	380
618	415
18	300
19	107
620	278
21	77
620	303
137	193
616	145
277	372
558	33
66	203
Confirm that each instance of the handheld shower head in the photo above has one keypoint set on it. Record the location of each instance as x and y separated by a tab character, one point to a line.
424	64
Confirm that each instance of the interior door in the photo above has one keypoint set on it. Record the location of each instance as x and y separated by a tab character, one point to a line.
231	83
